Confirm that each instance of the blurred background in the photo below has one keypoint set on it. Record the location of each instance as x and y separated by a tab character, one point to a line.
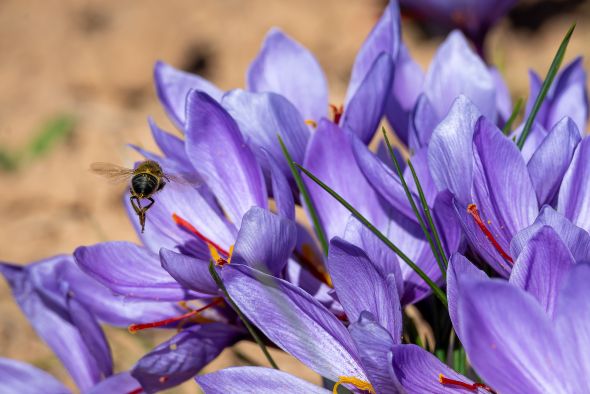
76	87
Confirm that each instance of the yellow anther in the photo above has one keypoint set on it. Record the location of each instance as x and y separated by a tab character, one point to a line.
231	252
356	382
311	123
213	251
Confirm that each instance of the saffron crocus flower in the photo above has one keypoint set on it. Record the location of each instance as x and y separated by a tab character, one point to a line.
20	378
531	342
367	356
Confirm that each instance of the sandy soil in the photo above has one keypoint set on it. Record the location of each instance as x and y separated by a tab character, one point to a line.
93	60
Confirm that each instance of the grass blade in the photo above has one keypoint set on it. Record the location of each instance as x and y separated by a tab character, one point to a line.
243	317
545	87
515	111
435	289
317	226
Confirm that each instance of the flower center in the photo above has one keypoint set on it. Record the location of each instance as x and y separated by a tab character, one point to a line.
473	386
356	382
472	210
337	112
133	328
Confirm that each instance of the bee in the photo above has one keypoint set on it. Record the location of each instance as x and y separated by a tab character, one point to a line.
146	179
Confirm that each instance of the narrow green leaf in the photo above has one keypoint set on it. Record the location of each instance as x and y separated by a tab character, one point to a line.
413	205
435	289
317	225
545	87
515	111
52	132
243	317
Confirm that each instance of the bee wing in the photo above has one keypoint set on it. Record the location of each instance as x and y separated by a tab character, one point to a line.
115	173
184	179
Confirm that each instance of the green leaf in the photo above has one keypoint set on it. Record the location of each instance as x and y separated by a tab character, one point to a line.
515	111
317	225
555	64
435	289
52	132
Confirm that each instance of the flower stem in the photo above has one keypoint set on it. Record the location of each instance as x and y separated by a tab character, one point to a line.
515	111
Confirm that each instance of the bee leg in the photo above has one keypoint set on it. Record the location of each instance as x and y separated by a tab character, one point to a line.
139	210
150	204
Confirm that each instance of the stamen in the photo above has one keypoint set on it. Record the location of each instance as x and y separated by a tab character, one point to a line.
312	123
190	228
472	210
473	387
356	382
306	259
337	112
133	328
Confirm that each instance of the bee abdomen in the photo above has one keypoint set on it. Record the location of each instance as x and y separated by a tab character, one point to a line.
144	185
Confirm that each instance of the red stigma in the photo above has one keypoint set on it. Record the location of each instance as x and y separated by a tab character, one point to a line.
472	210
337	112
190	228
136	391
472	387
133	328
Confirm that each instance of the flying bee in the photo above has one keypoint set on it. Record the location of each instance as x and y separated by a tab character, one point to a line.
146	179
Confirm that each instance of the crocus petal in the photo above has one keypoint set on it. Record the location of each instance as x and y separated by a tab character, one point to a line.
374	344
285	67
190	272
330	158
255	380
534	140
460	271
281	191
574	195
129	270
294	321
541	267
265	241
576	239
219	153
457	70
362	287
420	164
507	337
119	383
424	120
171	146
449	153
572	314
183	356
503	100
549	163
418	371
173	86
570	97
20	378
364	108
261	116
447	223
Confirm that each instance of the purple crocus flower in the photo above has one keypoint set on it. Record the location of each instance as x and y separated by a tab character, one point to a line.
529	335
367	356
20	378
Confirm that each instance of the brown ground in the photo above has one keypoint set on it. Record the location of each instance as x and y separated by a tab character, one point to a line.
93	60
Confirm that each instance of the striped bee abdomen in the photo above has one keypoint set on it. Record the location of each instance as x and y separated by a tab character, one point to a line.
144	184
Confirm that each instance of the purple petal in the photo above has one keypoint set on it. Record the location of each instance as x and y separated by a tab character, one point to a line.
541	267
572	315
447	223
533	141
423	122
183	356
574	195
503	100
171	146
20	378
129	270
449	153
457	70
570	96
285	67
330	158
255	380
122	382
189	272
281	191
370	291
420	164
173	86
549	163
294	321
261	116
364	108
374	345
265	241
507	337
219	153
418	371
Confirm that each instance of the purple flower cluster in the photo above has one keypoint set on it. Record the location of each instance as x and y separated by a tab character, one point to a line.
502	234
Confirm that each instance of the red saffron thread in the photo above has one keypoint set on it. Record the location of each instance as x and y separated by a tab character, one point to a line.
472	210
136	391
337	112
133	328
189	227
473	387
